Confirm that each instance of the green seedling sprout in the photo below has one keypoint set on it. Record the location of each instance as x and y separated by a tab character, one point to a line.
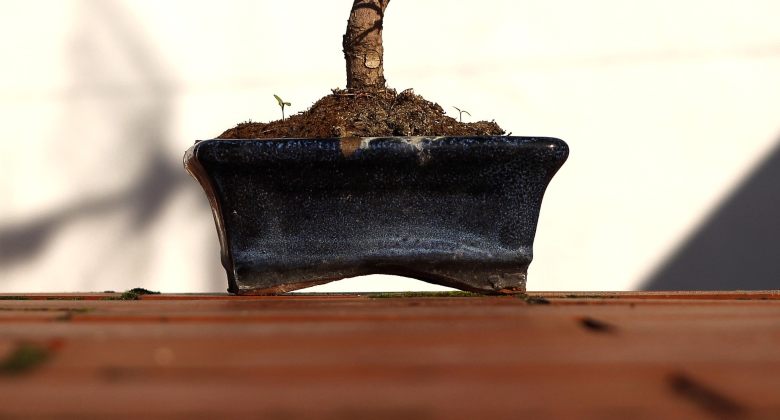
282	104
461	112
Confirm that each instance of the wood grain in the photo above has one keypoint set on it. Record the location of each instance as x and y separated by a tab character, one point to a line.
663	355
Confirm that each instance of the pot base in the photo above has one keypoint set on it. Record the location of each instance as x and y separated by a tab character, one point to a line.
486	281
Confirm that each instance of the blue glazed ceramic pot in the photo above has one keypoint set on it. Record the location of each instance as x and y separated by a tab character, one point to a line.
455	211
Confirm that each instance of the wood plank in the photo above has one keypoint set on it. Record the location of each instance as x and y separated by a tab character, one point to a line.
606	355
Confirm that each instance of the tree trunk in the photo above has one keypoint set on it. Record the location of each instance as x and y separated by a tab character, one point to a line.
362	44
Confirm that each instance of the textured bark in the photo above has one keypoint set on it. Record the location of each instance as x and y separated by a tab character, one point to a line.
363	48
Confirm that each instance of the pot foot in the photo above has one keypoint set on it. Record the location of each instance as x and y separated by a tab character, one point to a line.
484	280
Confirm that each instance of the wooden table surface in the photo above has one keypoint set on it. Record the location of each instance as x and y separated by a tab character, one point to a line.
561	355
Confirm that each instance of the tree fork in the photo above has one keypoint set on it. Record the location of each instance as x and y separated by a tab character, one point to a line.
362	43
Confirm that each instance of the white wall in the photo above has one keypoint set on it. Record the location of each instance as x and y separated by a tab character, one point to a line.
666	106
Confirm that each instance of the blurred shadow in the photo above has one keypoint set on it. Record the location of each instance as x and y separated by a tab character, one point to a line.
161	177
21	243
737	248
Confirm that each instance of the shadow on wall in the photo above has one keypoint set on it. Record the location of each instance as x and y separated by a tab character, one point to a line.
140	123
21	243
738	247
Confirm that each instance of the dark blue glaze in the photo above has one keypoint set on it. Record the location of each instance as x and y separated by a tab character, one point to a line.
456	211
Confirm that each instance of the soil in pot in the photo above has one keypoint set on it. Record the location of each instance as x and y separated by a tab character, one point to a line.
379	113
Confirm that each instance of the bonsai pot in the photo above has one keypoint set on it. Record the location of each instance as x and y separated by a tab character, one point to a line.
455	211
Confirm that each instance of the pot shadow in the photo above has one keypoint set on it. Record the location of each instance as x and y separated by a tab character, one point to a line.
737	247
